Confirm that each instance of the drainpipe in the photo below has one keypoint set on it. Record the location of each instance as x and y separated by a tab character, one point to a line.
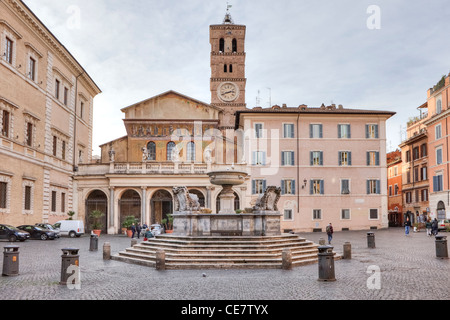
75	167
298	165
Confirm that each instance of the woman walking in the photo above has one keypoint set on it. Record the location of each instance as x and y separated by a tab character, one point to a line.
407	226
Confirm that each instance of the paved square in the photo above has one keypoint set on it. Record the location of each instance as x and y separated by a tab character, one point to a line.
408	268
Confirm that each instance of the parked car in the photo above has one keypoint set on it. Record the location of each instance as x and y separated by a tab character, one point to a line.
156	229
12	233
38	232
49	227
443	224
71	228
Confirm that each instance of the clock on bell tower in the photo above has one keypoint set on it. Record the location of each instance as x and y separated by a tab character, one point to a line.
228	68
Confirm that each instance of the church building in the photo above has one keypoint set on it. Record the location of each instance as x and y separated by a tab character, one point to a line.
329	161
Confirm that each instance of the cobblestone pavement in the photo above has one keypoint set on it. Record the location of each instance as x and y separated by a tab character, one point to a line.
408	268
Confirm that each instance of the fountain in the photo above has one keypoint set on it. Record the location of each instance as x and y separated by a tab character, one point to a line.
263	220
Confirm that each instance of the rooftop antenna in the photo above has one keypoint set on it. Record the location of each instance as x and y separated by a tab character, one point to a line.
270	97
258	99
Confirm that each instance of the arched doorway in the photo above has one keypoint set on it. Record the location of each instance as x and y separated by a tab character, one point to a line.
161	205
97	200
237	202
130	205
201	197
440	210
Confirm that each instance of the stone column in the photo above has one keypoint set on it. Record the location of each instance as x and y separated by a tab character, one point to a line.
144	204
111	207
208	197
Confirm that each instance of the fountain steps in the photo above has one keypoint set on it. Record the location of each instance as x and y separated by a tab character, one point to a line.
219	253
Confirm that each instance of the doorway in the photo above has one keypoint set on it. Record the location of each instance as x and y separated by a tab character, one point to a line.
161	205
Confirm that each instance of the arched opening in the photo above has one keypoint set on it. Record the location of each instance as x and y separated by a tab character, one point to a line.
234	45
201	197
161	205
440	210
97	200
225	68
222	45
151	150
231	68
130	205
237	203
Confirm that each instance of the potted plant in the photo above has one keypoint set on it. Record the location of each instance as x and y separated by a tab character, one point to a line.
70	214
126	225
239	211
168	223
96	215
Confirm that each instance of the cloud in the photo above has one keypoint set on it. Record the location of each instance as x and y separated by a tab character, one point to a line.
309	52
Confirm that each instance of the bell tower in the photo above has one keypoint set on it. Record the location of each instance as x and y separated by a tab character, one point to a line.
228	69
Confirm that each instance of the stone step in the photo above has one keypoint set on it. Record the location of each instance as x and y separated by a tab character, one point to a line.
221	252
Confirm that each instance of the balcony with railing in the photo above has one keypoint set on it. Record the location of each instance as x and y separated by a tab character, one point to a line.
152	168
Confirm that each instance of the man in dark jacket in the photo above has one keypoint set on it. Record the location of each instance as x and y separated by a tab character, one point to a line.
407	226
133	230
434	227
329	230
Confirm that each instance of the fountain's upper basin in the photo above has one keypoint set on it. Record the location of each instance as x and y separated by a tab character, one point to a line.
227	178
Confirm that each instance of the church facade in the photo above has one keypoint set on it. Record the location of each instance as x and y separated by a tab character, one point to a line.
329	161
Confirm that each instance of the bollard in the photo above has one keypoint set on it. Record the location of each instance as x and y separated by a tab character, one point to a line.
133	242
321	241
347	251
160	260
93	245
441	247
371	240
286	259
106	251
70	257
326	263
11	261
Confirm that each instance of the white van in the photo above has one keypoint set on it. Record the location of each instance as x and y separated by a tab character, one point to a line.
71	228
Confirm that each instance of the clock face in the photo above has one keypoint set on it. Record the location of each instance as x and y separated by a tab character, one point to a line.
228	91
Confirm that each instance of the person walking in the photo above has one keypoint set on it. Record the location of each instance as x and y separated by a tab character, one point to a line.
428	226
407	226
133	230
138	230
329	231
434	227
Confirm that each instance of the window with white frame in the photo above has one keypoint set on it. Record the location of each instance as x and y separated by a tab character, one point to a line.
9	50
373	158
344	131
316	186
288	214
316	131
345	186
258	130
288	186
438	131
345	158
438	182
288	130
438	105
372	131
439	158
5	193
317	214
28	196
373	214
258	186
259	158
373	186
316	158
345	214
287	158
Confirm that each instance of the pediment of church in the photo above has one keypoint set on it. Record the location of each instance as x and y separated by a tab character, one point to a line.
171	105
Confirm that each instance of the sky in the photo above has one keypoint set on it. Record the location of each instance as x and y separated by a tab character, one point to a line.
376	55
